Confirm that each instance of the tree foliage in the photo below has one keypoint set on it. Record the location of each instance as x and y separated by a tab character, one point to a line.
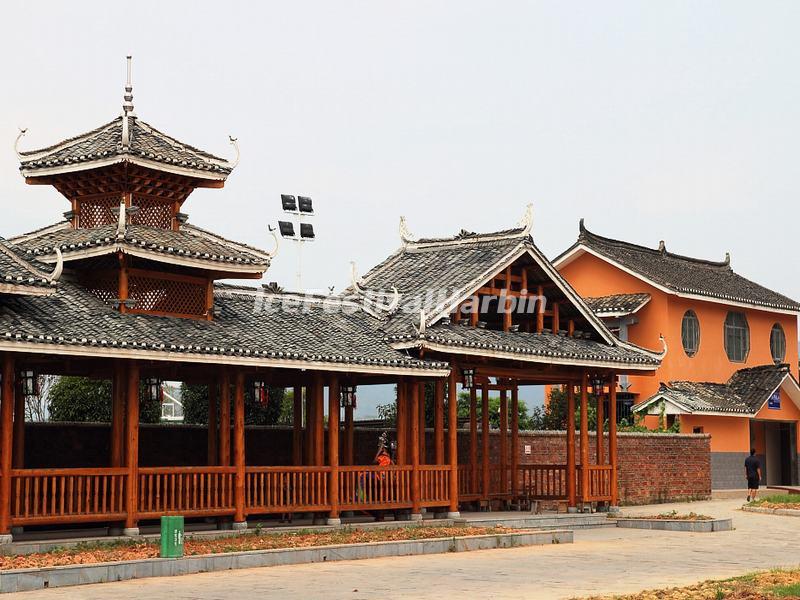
80	399
277	411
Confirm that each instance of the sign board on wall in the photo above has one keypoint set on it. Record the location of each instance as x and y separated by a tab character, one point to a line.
527	448
774	401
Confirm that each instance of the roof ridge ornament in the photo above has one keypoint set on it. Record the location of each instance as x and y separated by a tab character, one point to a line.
52	277
526	223
127	105
20	135
727	260
235	143
662	246
357	283
274	252
405	235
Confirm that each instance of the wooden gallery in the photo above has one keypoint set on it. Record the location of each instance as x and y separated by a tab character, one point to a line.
126	289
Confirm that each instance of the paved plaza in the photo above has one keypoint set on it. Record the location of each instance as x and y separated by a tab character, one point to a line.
609	560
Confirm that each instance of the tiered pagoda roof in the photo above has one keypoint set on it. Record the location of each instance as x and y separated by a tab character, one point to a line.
105	146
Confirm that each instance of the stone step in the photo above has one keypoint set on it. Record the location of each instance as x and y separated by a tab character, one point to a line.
568	521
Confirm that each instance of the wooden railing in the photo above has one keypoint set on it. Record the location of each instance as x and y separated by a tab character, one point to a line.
599	482
41	496
543	482
469	482
499	481
193	491
286	489
372	488
434	485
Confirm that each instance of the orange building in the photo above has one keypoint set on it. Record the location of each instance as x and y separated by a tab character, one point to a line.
732	365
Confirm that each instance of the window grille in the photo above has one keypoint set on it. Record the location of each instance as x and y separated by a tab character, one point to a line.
690	333
777	343
96	211
737	337
167	294
153	211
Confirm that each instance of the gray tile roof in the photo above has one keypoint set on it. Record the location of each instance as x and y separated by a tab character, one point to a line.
428	272
189	242
530	346
105	143
20	275
744	393
683	274
617	304
268	328
445	265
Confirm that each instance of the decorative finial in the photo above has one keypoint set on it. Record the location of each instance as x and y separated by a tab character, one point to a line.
581	227
277	242
355	280
728	258
121	228
127	105
527	219
59	268
405	234
20	135
235	144
662	247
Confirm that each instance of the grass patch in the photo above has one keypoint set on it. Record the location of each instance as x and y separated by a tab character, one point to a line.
765	585
100	552
778	501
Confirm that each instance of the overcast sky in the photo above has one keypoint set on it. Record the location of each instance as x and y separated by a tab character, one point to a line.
675	121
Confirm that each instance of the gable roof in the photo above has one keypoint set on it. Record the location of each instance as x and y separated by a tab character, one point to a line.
433	275
190	246
617	305
745	393
19	275
103	146
677	274
253	328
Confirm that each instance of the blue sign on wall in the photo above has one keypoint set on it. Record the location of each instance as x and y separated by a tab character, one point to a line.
774	401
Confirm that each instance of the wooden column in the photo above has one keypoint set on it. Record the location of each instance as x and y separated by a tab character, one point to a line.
514	440
473	438
612	436
411	437
600	454
225	418
539	309
333	449
6	445
238	451
319	421
118	393
438	422
132	449
503	441
414	402
571	476
423	450
310	421
585	437
452	441
297	426
349	435
213	424
402	423
485	441
18	455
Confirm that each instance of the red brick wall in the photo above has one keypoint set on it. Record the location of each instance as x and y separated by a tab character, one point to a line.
651	467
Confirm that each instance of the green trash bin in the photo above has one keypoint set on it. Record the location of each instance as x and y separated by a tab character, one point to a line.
172	537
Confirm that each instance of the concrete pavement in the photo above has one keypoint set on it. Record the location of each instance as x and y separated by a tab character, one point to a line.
600	561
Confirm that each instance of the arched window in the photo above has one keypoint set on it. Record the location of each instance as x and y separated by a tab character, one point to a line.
737	337
777	343
690	333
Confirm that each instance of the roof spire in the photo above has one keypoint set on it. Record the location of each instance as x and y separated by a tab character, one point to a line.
127	105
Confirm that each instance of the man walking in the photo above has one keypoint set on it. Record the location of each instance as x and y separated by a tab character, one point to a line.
752	471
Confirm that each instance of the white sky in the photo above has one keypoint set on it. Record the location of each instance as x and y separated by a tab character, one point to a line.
672	120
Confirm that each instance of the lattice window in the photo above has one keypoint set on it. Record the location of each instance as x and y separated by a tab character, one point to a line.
104	285
153	211
95	211
167	294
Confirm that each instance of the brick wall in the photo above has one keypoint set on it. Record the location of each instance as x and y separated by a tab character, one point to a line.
652	467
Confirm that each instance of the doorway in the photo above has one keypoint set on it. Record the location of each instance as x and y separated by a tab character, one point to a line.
780	453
